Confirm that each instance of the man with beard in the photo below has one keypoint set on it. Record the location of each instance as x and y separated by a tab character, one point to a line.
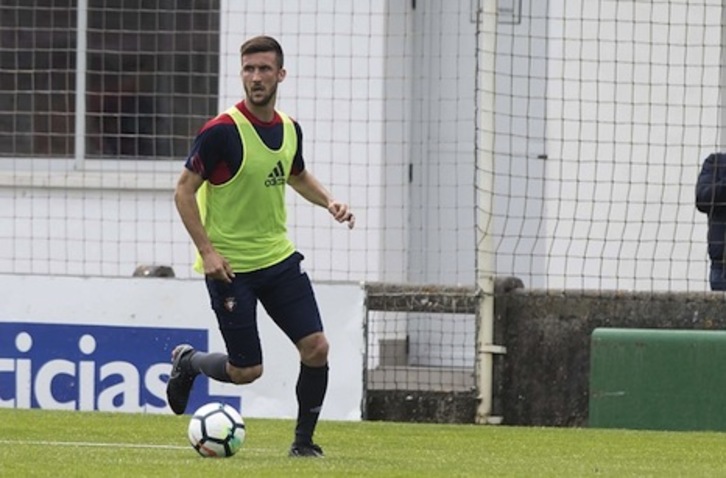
231	199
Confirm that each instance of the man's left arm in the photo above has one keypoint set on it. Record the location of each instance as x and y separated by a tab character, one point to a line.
311	189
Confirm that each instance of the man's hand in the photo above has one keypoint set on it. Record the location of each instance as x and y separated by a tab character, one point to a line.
310	188
217	267
341	213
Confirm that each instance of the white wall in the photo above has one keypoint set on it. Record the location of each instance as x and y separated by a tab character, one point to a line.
520	143
90	224
441	243
633	109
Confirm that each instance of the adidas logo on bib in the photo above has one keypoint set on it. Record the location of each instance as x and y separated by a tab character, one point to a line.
276	176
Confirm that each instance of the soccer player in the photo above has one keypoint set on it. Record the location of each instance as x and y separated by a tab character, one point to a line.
231	199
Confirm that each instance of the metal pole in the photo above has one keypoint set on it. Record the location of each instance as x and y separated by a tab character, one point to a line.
486	81
80	119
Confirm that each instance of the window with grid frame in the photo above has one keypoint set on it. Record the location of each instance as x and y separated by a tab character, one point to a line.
151	77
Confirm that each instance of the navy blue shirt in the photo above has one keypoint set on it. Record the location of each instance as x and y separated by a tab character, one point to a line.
216	154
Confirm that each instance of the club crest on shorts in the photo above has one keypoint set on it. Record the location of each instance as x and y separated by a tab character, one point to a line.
230	303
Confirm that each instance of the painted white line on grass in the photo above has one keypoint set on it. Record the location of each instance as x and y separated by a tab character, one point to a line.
91	444
104	445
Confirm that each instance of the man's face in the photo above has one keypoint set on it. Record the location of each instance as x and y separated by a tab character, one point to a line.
260	76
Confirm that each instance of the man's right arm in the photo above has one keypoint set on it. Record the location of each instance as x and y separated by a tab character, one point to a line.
185	199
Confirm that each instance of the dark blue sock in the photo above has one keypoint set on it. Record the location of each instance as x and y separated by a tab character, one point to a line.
312	383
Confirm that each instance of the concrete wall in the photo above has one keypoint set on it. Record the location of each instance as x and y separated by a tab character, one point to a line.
544	377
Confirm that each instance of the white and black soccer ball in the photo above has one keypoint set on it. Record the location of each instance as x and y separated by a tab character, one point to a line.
216	430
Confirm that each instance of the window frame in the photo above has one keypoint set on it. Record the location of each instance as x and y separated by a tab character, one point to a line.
81	170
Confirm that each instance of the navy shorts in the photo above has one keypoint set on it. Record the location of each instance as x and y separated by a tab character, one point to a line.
285	292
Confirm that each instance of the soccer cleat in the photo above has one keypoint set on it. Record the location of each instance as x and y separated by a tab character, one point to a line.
181	378
305	450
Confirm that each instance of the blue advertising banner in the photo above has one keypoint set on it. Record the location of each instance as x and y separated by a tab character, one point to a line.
94	367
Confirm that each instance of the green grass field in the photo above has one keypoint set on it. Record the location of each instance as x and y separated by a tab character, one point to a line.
89	444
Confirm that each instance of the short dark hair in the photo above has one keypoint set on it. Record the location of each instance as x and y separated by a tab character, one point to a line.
261	44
